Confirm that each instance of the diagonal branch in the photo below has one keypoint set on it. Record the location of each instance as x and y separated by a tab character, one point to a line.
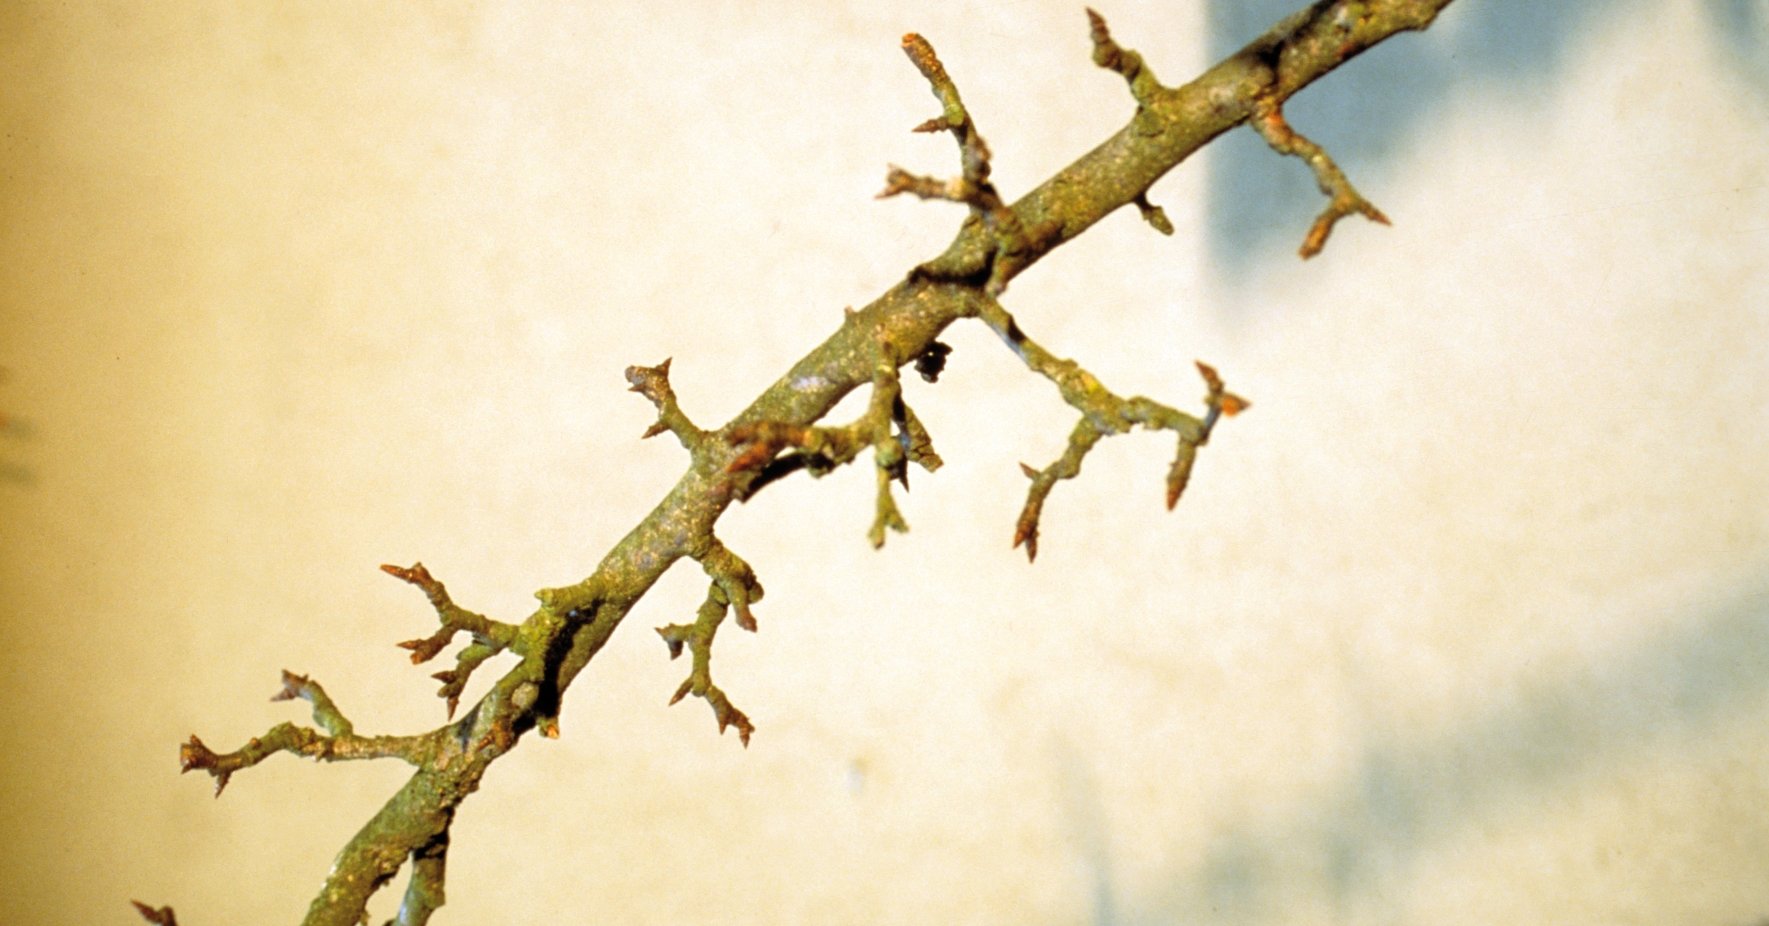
994	245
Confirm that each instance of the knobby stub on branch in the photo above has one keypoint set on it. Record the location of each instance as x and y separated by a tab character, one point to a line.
779	434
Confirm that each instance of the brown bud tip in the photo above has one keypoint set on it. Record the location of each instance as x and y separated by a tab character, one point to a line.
1029	471
1180	473
162	916
416	575
1209	373
193	754
682	691
1027	535
550	728
292	685
1233	405
920	52
672	638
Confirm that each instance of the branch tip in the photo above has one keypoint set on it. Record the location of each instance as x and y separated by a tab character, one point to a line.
193	754
489	637
1108	54
1218	397
1211	378
674	636
1026	534
1153	214
161	916
292	687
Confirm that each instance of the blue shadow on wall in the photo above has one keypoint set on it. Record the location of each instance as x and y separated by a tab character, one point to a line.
1366	113
1741	32
1357	844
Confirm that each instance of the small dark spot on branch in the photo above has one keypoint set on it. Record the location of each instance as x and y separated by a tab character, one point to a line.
932	361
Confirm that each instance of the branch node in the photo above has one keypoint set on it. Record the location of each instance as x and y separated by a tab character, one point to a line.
734	580
195	754
888	426
654	383
489	637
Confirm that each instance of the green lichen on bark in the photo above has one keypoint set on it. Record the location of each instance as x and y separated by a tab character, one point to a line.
996	243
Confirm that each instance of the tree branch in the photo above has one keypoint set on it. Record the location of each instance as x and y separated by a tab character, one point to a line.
996	243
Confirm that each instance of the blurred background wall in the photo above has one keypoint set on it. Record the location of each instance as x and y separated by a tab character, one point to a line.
1467	621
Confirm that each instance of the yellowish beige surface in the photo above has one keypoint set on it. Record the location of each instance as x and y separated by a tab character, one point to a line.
1467	622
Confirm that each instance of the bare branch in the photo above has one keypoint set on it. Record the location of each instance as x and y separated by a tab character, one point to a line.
973	151
1102	415
778	434
339	743
489	637
1343	198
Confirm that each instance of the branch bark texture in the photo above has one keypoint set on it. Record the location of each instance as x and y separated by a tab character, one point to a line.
778	434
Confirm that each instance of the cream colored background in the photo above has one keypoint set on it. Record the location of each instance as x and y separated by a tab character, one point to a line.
1466	622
